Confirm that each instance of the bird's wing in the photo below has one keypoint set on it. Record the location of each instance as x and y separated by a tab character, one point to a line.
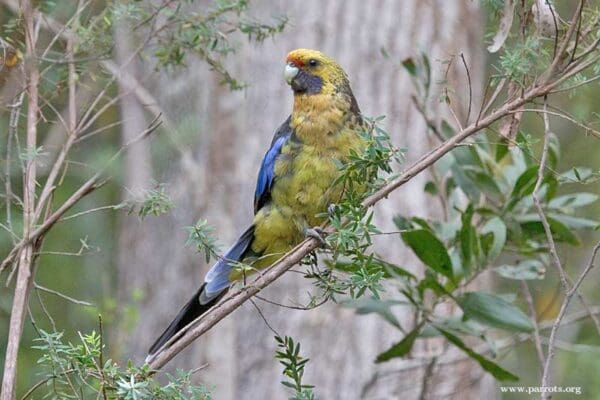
266	174
217	278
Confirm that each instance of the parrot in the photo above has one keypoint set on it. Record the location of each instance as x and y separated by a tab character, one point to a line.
296	180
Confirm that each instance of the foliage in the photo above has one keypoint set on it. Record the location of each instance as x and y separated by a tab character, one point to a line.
79	370
490	223
76	149
201	236
207	35
155	202
289	357
362	174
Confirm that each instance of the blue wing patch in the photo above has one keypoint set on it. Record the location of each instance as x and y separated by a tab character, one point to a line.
266	174
217	278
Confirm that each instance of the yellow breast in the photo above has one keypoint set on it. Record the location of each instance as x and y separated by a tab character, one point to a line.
309	164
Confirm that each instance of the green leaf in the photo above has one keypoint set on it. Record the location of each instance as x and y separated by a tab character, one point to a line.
427	66
465	184
431	188
532	225
501	149
402	222
526	182
554	150
497	228
468	239
529	269
562	233
484	182
373	305
460	326
430	250
429	282
392	270
447	130
575	222
401	348
492	310
421	223
573	200
410	66
497	371
354	267
578	174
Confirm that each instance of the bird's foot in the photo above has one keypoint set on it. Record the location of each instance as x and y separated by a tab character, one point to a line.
316	233
332	208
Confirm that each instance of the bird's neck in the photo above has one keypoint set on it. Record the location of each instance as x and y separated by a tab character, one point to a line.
317	117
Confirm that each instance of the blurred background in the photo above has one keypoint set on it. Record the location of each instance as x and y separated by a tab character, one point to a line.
137	272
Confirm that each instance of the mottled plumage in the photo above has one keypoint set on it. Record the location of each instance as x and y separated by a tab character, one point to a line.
296	178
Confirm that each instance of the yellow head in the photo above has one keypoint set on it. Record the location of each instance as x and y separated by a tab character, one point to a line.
312	72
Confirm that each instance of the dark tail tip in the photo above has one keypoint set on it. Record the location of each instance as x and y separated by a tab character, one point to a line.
192	310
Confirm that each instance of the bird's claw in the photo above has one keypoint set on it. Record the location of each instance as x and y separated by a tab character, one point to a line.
332	208
316	233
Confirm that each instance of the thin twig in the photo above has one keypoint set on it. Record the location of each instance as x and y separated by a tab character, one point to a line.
101	357
561	314
44	381
12	132
536	201
427	376
536	329
558	57
90	211
299	308
492	99
89	186
62	295
45	310
588	308
462	57
430	123
561	115
262	316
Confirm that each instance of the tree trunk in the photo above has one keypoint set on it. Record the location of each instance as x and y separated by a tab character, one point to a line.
137	177
215	180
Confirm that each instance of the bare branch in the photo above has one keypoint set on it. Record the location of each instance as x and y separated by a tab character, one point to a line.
26	259
588	129
561	314
462	57
536	329
536	201
89	186
569	293
560	54
12	132
490	102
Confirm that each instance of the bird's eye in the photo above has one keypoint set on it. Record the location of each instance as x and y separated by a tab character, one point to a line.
312	62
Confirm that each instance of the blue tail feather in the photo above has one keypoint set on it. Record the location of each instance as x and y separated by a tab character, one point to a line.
214	287
217	278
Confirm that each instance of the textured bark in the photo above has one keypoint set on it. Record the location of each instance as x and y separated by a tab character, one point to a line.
215	179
